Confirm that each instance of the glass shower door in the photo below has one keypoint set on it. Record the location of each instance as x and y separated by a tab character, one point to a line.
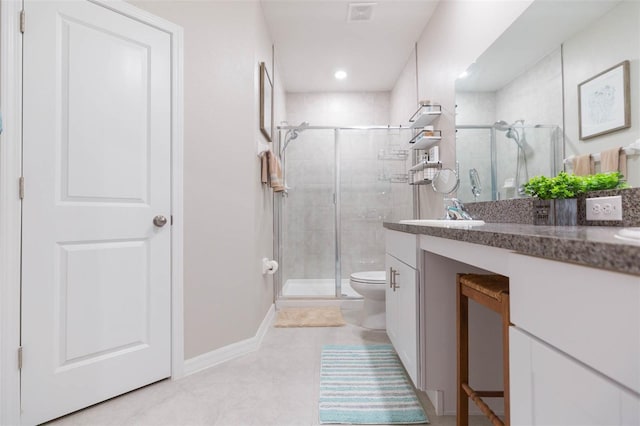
307	246
373	187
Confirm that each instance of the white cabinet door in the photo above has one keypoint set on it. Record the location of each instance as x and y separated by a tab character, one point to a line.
549	388
95	271
402	320
591	314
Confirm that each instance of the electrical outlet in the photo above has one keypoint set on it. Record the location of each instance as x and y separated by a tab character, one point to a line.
604	208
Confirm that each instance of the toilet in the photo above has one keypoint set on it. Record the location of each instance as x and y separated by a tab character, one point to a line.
371	286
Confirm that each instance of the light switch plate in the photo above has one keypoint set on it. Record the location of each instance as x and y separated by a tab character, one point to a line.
604	208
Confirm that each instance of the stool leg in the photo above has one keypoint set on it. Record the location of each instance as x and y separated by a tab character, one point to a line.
505	357
462	331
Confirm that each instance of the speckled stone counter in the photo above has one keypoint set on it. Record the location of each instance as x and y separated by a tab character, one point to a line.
585	245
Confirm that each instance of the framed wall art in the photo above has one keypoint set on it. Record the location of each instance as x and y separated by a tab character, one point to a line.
604	102
266	102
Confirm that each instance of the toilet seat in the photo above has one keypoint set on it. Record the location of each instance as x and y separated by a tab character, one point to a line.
369	277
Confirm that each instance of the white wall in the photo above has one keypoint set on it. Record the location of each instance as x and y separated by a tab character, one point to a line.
227	212
457	33
610	40
404	96
535	96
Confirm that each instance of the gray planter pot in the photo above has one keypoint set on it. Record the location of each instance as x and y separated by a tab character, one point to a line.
560	212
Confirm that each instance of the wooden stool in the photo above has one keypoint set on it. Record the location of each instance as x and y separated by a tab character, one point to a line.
491	291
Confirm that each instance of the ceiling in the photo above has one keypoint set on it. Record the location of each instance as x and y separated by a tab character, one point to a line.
313	39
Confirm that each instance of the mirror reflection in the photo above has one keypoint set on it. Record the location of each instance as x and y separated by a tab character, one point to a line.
517	105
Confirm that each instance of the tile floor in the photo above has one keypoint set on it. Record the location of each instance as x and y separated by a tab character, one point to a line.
276	385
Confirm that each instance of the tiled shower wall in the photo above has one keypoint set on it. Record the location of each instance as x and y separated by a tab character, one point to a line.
368	195
534	97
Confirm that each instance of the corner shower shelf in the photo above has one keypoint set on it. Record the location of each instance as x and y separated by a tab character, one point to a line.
425	115
394	178
425	139
393	154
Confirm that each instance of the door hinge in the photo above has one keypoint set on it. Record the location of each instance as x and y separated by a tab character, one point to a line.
22	21
19	357
21	187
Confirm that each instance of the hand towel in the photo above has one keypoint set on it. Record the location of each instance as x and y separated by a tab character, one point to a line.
613	160
583	165
275	172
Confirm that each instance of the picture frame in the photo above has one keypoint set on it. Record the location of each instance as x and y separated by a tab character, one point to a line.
266	102
604	102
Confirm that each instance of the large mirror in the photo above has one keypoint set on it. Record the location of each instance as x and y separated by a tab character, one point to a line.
517	104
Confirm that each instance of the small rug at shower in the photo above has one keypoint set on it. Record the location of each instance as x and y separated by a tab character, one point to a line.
329	316
366	385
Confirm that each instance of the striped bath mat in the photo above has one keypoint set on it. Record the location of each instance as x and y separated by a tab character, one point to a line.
366	385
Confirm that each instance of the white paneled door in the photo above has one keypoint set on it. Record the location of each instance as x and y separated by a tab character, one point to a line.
96	269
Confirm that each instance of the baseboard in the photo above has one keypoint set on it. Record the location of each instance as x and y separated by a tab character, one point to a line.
234	350
437	401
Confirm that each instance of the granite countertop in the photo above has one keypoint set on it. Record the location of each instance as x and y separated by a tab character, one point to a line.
593	246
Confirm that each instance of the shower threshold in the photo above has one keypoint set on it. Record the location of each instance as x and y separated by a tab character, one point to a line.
318	292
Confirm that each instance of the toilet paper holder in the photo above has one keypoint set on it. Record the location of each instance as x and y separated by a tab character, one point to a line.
269	266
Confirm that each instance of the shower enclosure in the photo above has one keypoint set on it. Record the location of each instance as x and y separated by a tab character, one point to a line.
342	183
505	156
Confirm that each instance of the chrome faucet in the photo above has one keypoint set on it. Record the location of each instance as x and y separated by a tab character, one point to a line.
456	211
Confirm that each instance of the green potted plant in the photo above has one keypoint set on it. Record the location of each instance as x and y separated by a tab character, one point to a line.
557	197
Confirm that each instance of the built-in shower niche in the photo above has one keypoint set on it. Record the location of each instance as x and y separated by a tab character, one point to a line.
505	157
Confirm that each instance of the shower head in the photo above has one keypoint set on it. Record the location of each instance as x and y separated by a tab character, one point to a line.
293	133
501	125
513	134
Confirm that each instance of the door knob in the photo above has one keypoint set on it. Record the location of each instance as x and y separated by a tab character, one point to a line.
159	221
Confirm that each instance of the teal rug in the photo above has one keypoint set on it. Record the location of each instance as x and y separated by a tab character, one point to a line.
366	385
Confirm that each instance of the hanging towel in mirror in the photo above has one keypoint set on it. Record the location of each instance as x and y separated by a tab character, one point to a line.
583	165
614	160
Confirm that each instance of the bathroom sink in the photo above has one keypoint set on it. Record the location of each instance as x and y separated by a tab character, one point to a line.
629	234
443	223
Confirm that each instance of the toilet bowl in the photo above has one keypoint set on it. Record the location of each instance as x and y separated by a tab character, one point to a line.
371	286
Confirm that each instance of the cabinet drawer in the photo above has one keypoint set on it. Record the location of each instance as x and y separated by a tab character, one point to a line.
591	314
402	246
549	388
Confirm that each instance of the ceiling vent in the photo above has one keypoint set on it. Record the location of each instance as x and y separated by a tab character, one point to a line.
360	12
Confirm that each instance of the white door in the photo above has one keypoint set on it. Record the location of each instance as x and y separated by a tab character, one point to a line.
96	271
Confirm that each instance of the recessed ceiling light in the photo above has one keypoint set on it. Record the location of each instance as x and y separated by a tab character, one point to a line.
340	75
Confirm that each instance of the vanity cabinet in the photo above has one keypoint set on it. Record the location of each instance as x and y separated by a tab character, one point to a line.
575	344
550	388
402	298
